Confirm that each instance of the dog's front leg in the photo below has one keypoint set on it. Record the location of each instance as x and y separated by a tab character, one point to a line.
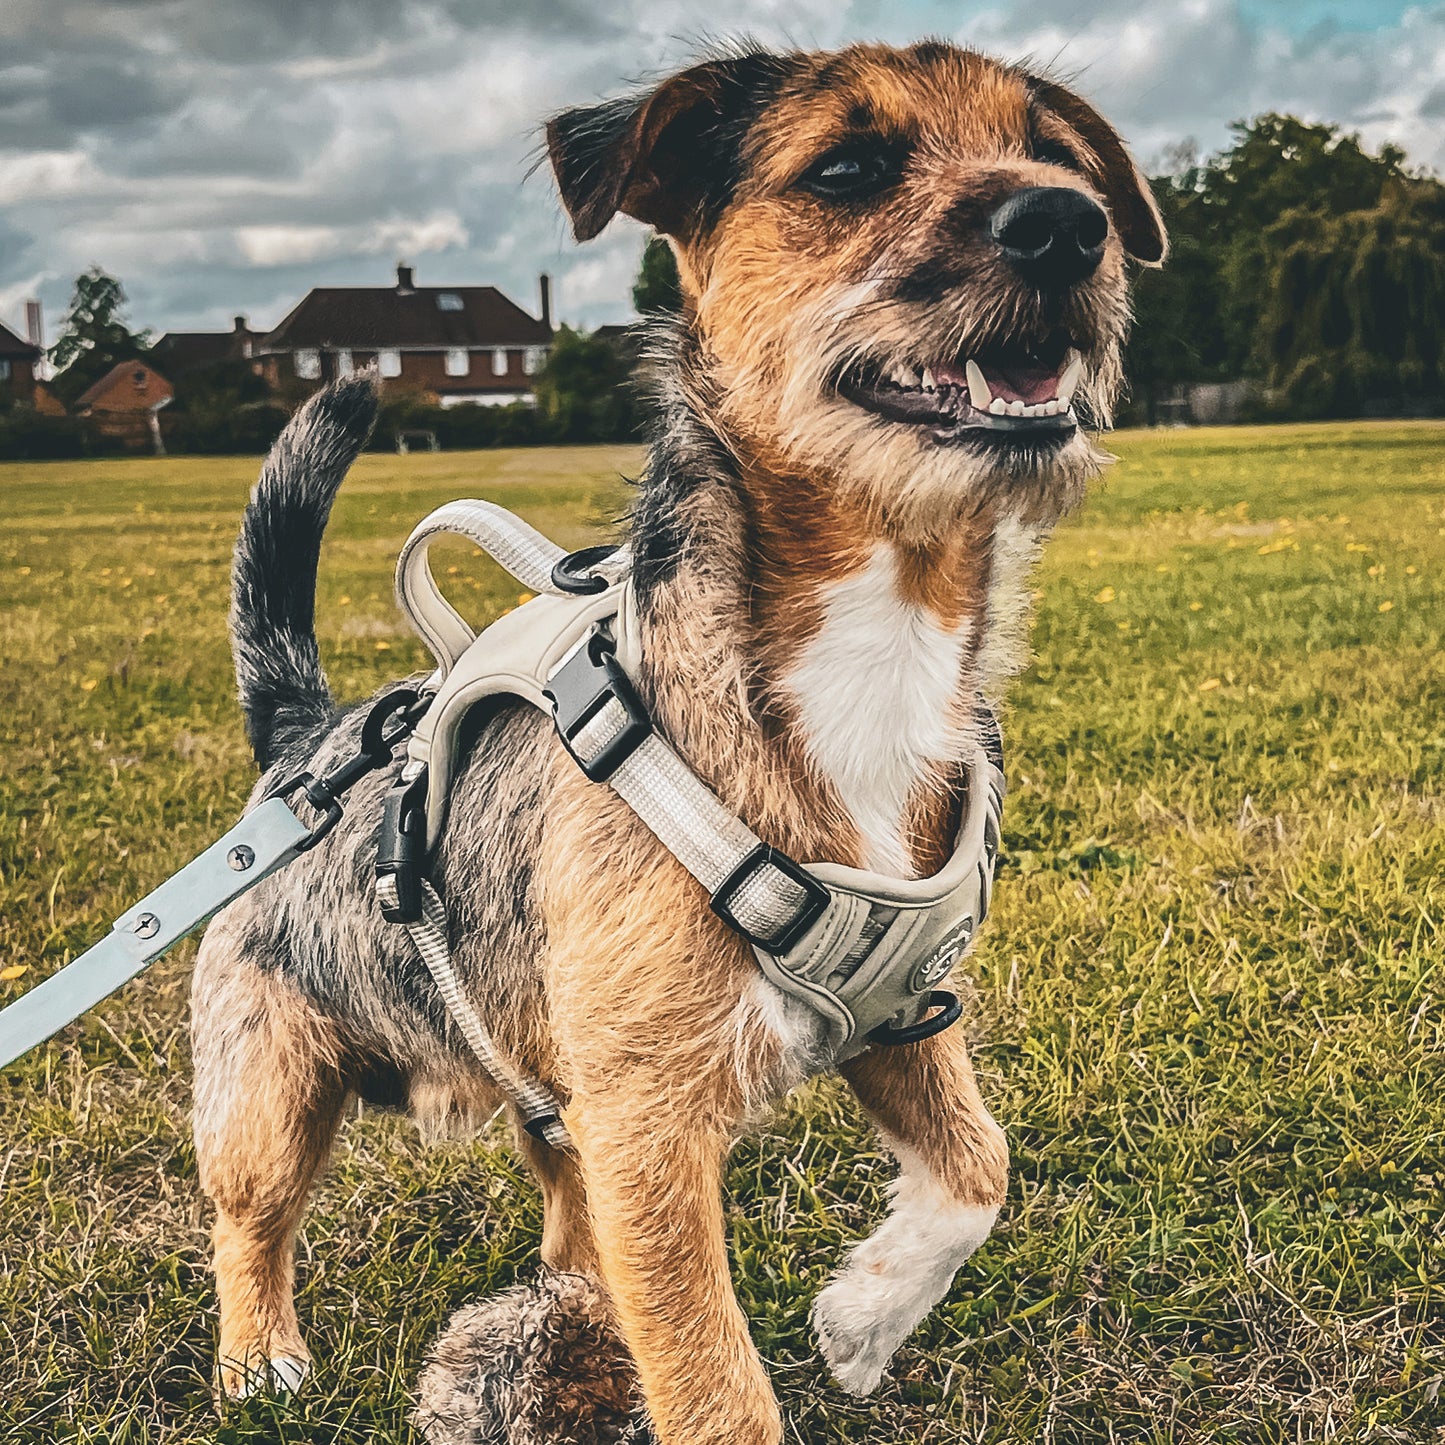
654	1194
954	1172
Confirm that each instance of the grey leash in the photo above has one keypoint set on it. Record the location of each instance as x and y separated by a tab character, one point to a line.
268	838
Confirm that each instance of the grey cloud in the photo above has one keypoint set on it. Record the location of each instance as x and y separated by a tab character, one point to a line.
197	119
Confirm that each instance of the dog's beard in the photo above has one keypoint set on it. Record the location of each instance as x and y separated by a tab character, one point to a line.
905	475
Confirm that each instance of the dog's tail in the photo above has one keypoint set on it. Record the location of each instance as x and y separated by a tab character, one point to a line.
283	690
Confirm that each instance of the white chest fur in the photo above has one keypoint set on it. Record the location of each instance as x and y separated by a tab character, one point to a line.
876	691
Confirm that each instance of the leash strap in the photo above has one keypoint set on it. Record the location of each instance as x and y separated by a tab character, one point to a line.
266	839
429	933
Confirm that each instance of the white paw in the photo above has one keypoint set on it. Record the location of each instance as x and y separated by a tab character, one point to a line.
892	1280
283	1375
856	1332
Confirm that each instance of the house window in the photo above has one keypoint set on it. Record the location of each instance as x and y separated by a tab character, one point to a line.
499	362
534	359
307	364
389	362
138	376
344	364
449	301
4	371
458	362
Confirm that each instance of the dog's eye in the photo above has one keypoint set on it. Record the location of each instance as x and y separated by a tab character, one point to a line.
1056	153
852	171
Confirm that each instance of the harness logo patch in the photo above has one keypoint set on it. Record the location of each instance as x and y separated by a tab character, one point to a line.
938	963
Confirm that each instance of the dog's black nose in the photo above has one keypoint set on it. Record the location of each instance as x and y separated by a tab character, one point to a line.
1053	236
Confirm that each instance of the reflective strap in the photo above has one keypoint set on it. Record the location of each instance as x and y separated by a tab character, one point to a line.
711	842
539	1111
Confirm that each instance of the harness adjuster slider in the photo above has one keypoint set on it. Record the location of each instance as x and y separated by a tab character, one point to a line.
401	850
588	685
809	908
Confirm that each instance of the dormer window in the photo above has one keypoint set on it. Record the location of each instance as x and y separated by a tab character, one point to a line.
448	301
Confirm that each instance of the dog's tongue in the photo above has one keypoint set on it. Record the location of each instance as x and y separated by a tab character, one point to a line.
1028	384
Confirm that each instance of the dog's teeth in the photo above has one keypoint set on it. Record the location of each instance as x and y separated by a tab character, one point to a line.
905	376
928	382
998	406
1015	408
1050	408
1070	378
978	392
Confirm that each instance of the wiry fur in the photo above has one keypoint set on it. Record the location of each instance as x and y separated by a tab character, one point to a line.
594	958
283	690
538	1364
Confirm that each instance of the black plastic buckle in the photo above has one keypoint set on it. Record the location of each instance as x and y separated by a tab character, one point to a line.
401	848
571	573
579	689
950	1010
816	898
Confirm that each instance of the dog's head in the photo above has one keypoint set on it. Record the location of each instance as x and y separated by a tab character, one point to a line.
905	269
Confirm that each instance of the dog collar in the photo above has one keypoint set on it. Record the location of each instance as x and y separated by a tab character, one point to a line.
865	951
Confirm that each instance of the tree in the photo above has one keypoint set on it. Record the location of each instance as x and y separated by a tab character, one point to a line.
93	335
1355	313
583	391
657	288
1271	248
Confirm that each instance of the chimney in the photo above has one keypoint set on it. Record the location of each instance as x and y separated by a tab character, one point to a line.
239	325
404	283
34	324
545	283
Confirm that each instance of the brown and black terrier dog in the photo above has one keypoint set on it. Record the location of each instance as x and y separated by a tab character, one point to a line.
904	296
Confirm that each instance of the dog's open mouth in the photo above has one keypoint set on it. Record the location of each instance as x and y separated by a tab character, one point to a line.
1022	389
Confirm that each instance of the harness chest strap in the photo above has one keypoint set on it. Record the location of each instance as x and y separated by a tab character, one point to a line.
863	950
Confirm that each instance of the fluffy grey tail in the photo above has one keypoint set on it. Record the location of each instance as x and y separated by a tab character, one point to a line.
284	695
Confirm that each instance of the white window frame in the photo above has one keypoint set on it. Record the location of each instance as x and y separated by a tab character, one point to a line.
307	364
345	365
4	371
500	361
388	361
534	359
458	361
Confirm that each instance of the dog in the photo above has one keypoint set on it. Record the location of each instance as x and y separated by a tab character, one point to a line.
904	299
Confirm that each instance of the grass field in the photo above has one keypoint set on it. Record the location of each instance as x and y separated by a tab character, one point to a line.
1210	1003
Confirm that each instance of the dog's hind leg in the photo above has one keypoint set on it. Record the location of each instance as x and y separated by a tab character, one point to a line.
954	1174
268	1098
567	1241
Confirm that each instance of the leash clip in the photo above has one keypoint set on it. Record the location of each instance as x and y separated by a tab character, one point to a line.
400	850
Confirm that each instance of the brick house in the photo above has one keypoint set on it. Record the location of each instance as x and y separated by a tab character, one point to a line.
183	353
125	405
18	381
460	344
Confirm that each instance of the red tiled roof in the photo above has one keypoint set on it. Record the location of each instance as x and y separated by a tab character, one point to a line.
367	317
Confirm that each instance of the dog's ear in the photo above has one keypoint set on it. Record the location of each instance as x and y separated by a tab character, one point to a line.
670	158
1112	170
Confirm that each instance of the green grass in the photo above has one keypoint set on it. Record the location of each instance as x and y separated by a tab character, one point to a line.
1209	1003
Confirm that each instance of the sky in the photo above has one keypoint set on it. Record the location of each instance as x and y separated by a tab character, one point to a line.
223	156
